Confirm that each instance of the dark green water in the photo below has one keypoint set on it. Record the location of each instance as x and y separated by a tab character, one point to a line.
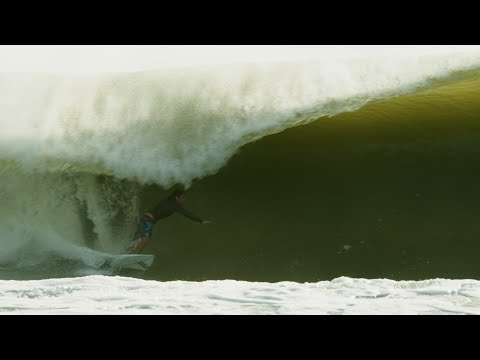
391	190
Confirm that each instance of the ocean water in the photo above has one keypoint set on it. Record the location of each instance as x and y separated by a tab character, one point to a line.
338	179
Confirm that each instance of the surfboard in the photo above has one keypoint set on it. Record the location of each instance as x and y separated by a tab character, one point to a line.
126	261
132	261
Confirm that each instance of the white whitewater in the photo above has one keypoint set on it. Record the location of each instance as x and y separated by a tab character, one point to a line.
170	115
342	296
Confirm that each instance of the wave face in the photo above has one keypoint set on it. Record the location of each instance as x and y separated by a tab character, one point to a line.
348	165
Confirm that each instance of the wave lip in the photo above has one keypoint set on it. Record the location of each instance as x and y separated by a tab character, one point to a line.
179	124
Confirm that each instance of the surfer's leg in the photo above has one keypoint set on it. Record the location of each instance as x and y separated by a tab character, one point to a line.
143	244
139	245
135	238
145	230
130	248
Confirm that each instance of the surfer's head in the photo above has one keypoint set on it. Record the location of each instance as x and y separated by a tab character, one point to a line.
179	195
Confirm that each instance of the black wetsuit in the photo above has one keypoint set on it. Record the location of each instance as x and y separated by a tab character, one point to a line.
168	206
163	209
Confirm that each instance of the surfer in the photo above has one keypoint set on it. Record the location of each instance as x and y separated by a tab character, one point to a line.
164	208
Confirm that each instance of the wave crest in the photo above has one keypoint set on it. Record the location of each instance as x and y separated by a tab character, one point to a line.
176	125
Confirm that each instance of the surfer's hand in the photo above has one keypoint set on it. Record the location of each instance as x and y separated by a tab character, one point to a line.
206	222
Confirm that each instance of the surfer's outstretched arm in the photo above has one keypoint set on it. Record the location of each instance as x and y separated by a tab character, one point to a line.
191	215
